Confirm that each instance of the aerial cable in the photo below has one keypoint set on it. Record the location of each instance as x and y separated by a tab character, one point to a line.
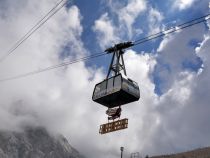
180	25
137	42
174	29
168	32
41	22
53	67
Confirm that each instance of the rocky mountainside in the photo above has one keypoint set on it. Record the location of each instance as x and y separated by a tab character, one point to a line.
35	143
198	153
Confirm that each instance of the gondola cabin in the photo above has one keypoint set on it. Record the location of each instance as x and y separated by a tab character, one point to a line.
116	91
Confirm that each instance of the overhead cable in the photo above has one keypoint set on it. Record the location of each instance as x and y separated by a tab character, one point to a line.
137	42
174	29
41	22
53	67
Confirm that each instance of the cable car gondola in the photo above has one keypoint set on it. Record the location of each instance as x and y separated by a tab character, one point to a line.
116	90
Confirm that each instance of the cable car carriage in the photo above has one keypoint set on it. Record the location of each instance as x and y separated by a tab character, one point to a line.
117	89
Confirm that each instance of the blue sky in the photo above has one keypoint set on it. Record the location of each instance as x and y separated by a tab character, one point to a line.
172	17
172	114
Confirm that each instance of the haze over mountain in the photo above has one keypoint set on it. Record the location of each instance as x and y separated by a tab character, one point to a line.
35	143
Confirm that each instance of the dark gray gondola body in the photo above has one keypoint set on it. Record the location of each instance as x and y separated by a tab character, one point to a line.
116	91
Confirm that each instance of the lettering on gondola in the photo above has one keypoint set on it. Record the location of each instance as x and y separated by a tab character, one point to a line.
113	126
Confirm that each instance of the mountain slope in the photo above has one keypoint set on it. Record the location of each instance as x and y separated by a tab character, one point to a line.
35	143
198	153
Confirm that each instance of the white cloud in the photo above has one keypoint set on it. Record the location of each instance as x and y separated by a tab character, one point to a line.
73	20
183	4
110	32
155	18
183	110
174	50
128	14
207	19
106	31
59	99
209	5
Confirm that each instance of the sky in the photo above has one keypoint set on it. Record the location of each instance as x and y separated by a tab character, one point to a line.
172	72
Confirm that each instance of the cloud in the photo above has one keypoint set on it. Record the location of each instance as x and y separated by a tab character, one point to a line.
128	14
155	18
174	51
59	100
183	111
109	31
183	4
106	31
209	4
